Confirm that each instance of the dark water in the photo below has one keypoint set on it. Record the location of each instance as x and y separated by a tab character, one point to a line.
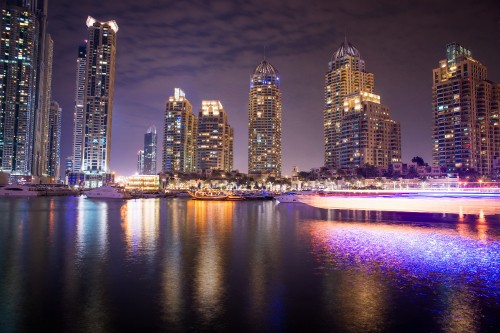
78	265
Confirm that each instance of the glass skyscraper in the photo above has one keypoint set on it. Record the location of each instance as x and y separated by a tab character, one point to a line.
81	63
25	76
149	164
54	141
96	118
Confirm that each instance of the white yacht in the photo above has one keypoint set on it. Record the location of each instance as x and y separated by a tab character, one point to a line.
108	192
292	197
21	191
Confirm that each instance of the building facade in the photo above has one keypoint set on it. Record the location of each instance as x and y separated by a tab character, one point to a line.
214	148
54	141
81	63
179	136
466	132
368	134
25	77
358	129
98	95
264	122
150	152
140	162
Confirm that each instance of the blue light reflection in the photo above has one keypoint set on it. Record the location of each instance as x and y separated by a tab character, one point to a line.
422	255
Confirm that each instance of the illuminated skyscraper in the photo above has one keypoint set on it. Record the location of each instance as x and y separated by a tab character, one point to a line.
149	167
98	100
368	134
54	140
214	149
357	128
264	121
25	79
81	63
140	162
466	104
179	137
346	75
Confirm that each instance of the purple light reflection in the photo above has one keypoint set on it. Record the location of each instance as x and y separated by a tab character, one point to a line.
416	253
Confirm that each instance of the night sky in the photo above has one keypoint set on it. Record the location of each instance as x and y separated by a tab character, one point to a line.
210	48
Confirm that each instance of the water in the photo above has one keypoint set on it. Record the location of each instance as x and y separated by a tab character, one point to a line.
71	264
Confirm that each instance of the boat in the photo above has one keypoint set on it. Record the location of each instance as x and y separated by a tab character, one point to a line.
235	197
293	197
288	197
209	195
108	192
17	190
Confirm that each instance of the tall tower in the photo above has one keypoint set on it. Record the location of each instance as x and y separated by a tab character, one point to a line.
81	63
54	140
358	129
150	152
466	132
214	149
179	136
24	86
346	75
98	99
264	121
140	162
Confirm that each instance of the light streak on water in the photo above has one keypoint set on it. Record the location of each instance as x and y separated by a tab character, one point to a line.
415	203
425	255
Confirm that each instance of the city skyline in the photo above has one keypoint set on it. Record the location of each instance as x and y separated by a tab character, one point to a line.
300	50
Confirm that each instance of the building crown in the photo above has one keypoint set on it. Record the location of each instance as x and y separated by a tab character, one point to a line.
266	69
346	49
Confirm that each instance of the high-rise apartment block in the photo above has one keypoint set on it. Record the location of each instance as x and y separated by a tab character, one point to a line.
179	137
357	128
149	167
264	122
81	64
54	141
214	149
96	116
25	76
368	134
466	132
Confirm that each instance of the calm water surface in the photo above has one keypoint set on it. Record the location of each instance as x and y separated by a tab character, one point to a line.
78	265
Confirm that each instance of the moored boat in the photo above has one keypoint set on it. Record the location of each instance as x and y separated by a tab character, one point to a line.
21	191
209	195
108	192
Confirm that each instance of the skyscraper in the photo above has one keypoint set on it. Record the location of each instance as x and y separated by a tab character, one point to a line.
466	104
54	140
149	167
368	134
41	130
357	128
26	53
346	75
179	136
98	101
264	121
140	162
214	149
81	63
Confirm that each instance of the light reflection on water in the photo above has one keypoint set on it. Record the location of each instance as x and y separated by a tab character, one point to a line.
416	252
75	264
